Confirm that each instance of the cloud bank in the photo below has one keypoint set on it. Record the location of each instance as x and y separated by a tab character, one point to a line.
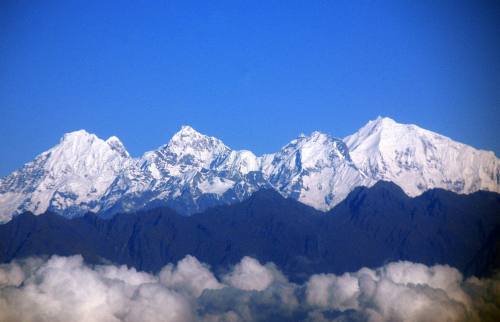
67	289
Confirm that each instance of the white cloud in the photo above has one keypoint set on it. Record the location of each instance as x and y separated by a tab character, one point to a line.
401	291
249	274
189	276
331	291
67	289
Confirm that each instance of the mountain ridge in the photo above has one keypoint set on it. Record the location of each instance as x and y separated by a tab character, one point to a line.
194	171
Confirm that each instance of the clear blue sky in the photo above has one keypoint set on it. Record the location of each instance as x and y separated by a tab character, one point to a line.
253	73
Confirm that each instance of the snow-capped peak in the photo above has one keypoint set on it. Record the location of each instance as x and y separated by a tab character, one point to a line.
77	136
417	159
316	169
117	145
318	149
188	130
190	147
81	151
74	173
383	120
187	135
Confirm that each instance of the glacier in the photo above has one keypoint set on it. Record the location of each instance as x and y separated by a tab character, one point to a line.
193	171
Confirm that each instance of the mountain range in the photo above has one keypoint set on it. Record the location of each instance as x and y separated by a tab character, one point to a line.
194	172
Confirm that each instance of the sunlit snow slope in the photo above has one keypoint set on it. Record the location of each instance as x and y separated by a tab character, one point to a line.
417	159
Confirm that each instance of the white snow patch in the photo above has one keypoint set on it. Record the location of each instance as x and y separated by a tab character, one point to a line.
216	185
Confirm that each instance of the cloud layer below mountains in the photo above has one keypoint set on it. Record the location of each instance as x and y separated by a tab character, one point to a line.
67	289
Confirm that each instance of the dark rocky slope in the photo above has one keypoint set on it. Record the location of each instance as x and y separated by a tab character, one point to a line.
370	227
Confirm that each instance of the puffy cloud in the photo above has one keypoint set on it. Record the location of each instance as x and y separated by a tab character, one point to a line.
401	291
331	291
485	296
189	276
249	274
67	289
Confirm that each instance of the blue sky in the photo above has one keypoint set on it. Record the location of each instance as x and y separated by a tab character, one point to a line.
253	73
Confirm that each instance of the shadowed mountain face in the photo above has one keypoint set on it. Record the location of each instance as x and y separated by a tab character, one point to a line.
370	227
